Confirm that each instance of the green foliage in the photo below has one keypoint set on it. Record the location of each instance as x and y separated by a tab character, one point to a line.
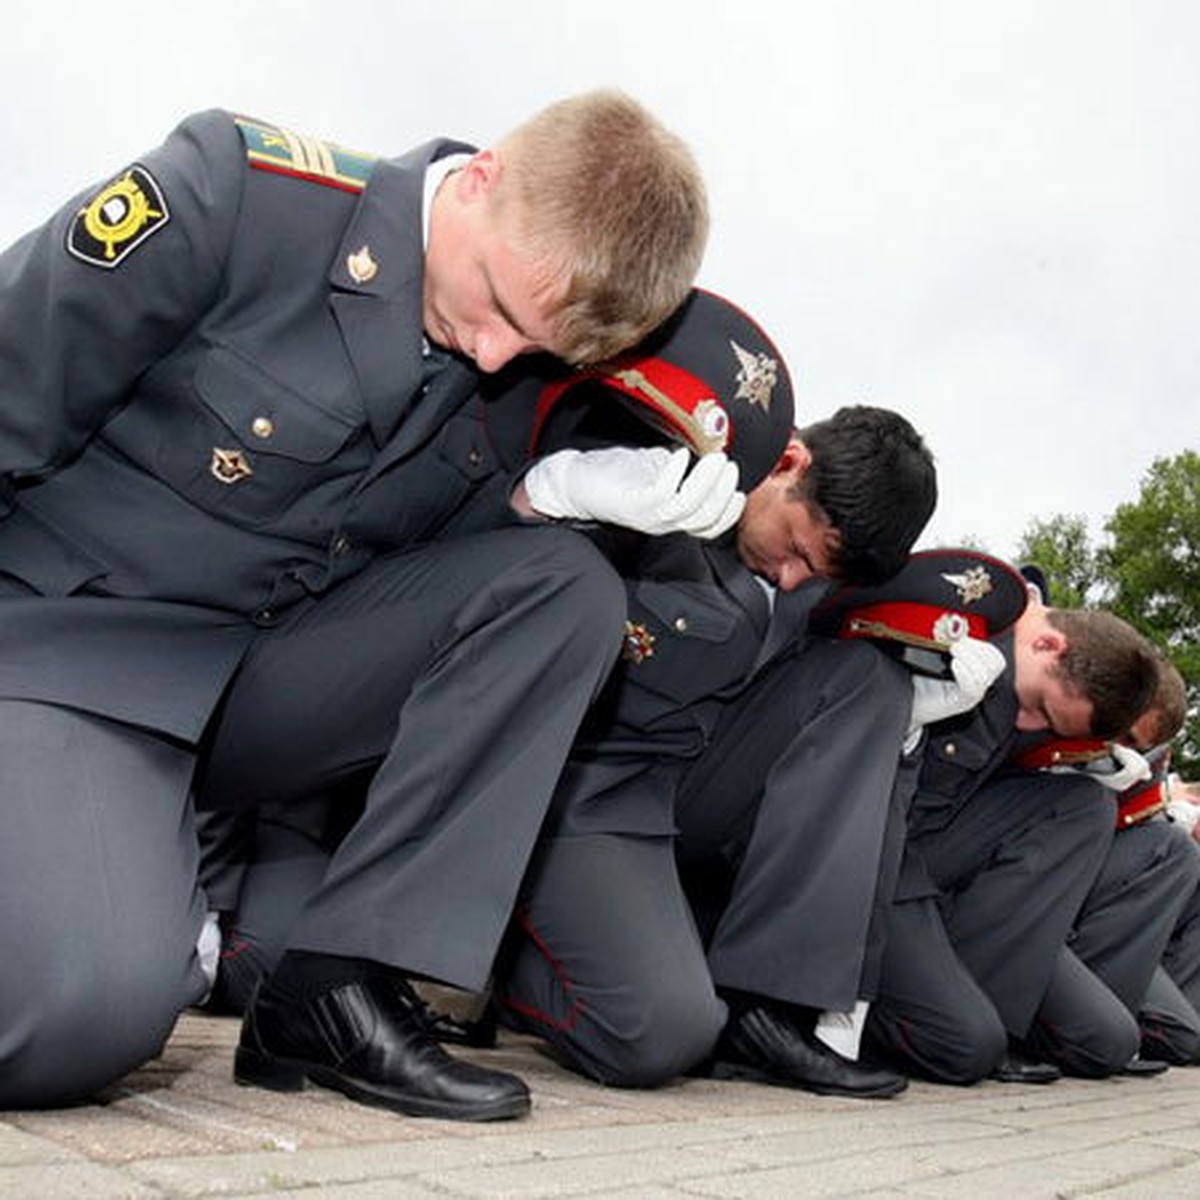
1061	547
1148	572
1152	565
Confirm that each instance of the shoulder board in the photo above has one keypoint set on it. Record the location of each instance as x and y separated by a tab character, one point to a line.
269	148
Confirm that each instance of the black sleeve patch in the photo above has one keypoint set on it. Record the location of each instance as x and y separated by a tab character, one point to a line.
118	219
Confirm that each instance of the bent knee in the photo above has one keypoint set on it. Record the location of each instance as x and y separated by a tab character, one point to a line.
667	1042
1169	1041
961	1052
64	1043
1102	1048
974	1054
642	1045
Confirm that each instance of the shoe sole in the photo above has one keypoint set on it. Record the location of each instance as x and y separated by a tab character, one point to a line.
251	1069
1035	1081
738	1071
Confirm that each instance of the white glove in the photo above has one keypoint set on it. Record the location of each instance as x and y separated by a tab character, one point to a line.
975	665
648	489
1185	814
1131	768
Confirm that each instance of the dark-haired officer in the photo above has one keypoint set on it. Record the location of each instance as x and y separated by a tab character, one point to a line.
730	743
1087	1023
604	958
997	865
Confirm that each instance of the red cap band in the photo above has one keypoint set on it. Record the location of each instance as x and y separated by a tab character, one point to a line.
931	626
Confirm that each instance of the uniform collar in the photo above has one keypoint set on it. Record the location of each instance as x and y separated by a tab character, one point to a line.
376	280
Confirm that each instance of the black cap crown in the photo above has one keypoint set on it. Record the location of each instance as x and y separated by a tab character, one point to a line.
709	377
938	598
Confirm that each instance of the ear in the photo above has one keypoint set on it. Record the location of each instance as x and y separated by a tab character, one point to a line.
1050	641
794	460
479	177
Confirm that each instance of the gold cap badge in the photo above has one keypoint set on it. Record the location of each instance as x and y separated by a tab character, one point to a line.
972	584
756	377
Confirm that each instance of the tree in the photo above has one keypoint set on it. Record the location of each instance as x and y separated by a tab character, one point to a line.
1152	570
1063	550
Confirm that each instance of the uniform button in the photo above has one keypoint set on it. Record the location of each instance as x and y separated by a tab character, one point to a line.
681	625
950	749
265	616
262	427
474	457
341	544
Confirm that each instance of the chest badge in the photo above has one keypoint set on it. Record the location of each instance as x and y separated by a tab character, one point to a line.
639	643
229	466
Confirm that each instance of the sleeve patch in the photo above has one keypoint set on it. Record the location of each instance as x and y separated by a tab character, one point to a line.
118	219
269	148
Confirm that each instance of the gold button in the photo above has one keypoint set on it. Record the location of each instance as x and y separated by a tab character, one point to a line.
262	427
474	457
951	749
681	624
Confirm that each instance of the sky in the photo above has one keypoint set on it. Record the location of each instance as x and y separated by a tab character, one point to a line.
981	213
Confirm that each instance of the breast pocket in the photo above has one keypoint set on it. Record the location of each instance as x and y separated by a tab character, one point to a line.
952	763
686	641
237	442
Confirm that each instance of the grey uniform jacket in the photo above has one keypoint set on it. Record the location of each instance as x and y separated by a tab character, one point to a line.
204	424
960	756
698	627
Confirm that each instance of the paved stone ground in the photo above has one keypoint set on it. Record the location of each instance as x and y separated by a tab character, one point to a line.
181	1128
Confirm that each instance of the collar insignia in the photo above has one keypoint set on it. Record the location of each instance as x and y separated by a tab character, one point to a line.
361	266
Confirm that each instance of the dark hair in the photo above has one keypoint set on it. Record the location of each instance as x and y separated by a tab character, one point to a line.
873	479
1108	662
1168	707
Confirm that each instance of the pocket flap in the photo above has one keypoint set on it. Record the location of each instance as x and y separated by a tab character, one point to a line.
267	416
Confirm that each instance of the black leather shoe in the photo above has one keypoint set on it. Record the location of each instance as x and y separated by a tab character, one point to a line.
763	1043
1016	1068
1144	1067
369	1039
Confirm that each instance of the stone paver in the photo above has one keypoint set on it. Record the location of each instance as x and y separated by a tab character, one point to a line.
181	1128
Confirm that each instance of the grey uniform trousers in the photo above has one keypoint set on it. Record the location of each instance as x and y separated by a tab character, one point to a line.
1087	1023
99	908
1170	1012
606	961
967	969
452	677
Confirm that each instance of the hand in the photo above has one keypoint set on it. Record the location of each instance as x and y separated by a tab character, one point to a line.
1131	768
649	489
975	665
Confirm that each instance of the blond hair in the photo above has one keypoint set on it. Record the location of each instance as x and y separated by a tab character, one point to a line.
612	203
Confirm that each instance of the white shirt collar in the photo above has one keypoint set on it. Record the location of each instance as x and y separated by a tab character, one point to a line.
434	174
